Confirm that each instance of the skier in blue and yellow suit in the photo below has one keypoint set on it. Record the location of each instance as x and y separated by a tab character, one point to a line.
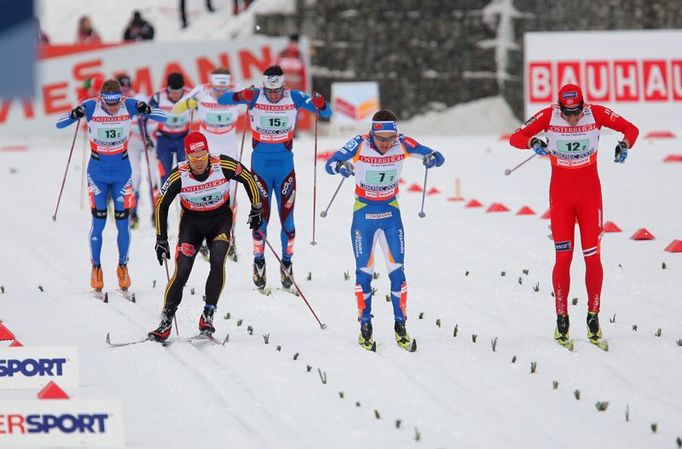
376	160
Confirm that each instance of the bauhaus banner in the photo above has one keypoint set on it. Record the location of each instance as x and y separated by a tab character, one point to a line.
637	73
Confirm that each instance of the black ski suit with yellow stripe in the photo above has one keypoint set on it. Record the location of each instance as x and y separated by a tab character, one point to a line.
195	226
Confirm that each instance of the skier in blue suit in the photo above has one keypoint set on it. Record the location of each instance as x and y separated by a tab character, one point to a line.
110	117
272	112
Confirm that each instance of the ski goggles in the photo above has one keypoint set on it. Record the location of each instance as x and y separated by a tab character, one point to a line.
111	97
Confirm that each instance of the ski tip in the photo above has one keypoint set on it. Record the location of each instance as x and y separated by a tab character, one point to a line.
106	297
374	347
132	298
108	339
413	348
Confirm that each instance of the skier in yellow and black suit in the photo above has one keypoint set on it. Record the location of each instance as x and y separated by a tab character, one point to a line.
203	185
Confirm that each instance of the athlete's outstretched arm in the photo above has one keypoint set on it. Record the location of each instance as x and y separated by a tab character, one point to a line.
302	100
88	107
166	196
533	126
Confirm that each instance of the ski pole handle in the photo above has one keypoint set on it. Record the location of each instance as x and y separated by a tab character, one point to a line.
509	171
324	212
422	214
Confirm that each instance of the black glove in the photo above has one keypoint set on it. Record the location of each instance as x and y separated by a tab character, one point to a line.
77	112
162	249
256	216
539	146
150	143
621	153
143	108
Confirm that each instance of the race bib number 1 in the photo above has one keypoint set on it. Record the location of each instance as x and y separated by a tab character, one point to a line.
217	118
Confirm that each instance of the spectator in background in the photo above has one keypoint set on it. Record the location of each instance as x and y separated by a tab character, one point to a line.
183	12
291	61
236	9
86	34
138	29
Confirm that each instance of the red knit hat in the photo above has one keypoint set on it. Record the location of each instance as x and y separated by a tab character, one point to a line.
570	97
195	142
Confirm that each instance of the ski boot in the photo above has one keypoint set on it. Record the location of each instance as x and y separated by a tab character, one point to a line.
366	340
259	278
206	321
162	332
97	278
403	338
594	334
123	277
561	332
286	271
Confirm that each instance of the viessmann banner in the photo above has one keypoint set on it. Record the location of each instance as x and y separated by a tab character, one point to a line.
637	73
63	69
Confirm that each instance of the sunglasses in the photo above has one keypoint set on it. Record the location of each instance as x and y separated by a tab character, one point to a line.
384	139
571	112
274	91
197	158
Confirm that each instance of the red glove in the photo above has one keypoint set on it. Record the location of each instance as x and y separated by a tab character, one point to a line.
318	101
246	95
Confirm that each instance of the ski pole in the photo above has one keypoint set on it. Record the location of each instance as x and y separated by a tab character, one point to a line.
315	181
324	212
509	171
66	171
426	175
298	289
234	191
175	320
143	133
83	168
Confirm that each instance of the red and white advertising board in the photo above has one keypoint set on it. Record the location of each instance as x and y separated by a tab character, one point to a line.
636	73
63	69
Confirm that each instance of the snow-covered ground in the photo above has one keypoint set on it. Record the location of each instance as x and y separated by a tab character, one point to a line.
464	268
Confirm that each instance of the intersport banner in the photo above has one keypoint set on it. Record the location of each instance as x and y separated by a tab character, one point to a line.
636	73
61	70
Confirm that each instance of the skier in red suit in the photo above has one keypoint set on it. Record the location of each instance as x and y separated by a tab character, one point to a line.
572	137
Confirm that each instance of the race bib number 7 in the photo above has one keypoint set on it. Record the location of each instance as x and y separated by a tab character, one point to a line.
380	177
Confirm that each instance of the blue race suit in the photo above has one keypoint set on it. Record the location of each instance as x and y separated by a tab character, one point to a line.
376	216
272	160
109	172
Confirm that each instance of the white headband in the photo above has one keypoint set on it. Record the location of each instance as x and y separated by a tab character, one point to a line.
220	79
273	81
